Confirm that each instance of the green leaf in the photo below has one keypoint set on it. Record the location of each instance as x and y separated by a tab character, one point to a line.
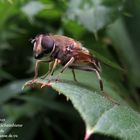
98	112
94	14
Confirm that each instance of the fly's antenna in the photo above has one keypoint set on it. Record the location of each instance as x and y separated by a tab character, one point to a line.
32	40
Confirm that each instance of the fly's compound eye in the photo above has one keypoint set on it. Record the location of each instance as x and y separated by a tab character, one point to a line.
47	44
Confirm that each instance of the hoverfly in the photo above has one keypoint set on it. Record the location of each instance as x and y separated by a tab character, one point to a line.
58	49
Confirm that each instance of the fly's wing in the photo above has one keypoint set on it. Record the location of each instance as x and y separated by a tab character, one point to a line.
98	65
80	53
84	57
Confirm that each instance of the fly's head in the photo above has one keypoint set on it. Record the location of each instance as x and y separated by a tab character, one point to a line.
43	46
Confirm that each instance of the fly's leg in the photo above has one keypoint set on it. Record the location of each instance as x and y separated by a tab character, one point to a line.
74	76
99	78
97	68
87	68
36	69
93	68
101	87
50	68
66	65
56	62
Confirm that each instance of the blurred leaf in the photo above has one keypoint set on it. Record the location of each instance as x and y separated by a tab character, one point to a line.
9	120
15	113
11	9
108	62
10	90
58	129
42	102
77	31
50	13
28	131
99	113
94	14
32	8
125	49
18	111
5	75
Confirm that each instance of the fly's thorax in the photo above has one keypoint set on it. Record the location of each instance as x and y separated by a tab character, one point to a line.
61	55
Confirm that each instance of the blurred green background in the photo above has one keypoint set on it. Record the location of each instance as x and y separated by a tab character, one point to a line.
112	31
